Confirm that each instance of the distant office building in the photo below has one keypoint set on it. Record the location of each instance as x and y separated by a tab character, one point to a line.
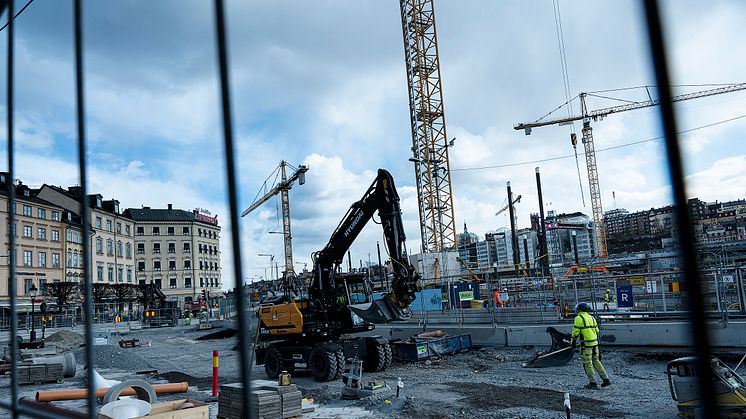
560	231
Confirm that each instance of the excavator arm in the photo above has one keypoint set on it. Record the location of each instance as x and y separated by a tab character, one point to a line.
383	198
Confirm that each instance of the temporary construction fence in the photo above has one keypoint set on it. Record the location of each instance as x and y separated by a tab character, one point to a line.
539	299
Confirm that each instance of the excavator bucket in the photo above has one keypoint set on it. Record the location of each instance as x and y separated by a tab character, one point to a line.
561	353
380	310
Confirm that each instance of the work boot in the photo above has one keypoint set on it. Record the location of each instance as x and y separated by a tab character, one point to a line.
606	382
592	386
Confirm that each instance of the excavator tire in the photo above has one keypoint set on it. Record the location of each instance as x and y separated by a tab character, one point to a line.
389	356
341	362
323	364
375	360
273	364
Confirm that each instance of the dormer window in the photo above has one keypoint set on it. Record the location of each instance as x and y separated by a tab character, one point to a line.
98	202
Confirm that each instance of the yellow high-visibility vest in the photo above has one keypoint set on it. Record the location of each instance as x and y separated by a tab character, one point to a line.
587	328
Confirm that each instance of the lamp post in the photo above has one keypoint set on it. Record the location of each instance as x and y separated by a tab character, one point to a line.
271	265
32	292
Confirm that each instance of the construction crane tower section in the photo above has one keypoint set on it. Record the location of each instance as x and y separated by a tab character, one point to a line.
429	139
587	116
283	188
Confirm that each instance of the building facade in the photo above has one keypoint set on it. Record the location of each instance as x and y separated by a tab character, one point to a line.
39	242
177	250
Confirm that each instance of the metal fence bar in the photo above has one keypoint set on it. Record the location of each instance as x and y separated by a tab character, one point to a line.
12	281
687	238
245	348
84	210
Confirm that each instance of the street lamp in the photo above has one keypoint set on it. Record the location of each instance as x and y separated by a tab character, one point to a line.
271	263
32	292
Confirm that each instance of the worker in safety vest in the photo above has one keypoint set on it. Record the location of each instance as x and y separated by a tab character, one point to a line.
496	298
607	299
586	327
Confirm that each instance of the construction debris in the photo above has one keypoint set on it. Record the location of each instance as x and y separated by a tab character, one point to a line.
133	343
421	348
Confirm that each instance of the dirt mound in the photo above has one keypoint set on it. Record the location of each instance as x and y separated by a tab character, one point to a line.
178	377
491	396
65	339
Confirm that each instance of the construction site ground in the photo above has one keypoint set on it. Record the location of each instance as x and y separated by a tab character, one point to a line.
482	382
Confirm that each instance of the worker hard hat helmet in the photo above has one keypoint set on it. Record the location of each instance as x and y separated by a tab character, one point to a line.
505	289
582	307
608	290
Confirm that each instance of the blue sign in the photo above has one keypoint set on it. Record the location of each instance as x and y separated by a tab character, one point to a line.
624	296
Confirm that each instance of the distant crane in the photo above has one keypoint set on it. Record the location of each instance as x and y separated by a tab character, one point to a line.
505	207
590	152
282	188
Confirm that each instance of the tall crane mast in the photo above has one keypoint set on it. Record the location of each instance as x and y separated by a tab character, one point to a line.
283	188
429	139
590	152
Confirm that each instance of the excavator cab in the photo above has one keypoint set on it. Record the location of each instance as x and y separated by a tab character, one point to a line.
354	291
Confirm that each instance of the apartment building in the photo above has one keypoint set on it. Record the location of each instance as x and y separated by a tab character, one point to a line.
111	237
39	242
178	250
560	231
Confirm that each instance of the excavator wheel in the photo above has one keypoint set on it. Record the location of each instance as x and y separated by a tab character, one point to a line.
389	356
273	363
375	360
323	364
341	362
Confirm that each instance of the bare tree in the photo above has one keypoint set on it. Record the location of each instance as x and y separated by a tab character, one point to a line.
101	293
123	293
64	293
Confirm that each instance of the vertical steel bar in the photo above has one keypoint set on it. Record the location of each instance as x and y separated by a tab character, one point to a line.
12	281
687	238
84	209
243	335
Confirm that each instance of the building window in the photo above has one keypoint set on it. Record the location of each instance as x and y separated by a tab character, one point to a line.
99	245
171	265
201	266
128	250
187	282
171	247
12	229
158	283
69	236
69	263
108	226
140	231
119	228
156	231
27	284
187	264
201	282
55	260
41	233
98	223
100	272
172	282
55	215
199	248
41	213
119	248
42	259
129	274
185	231
170	231
120	275
110	247
75	260
157	247
111	273
187	247
27	258
140	248
76	237
127	229
156	265
27	210
141	266
27	232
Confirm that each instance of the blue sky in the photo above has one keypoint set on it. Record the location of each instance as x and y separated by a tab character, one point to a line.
323	83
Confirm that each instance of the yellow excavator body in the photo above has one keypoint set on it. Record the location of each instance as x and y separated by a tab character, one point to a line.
282	319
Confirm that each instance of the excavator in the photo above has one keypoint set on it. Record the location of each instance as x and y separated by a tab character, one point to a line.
316	326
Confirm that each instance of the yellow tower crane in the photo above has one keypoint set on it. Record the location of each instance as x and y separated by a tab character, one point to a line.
590	153
281	185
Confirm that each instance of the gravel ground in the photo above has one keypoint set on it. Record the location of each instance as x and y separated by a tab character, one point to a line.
481	383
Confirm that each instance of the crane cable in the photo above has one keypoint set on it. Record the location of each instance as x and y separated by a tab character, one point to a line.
566	83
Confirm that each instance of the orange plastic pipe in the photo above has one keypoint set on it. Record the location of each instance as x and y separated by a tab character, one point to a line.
79	394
